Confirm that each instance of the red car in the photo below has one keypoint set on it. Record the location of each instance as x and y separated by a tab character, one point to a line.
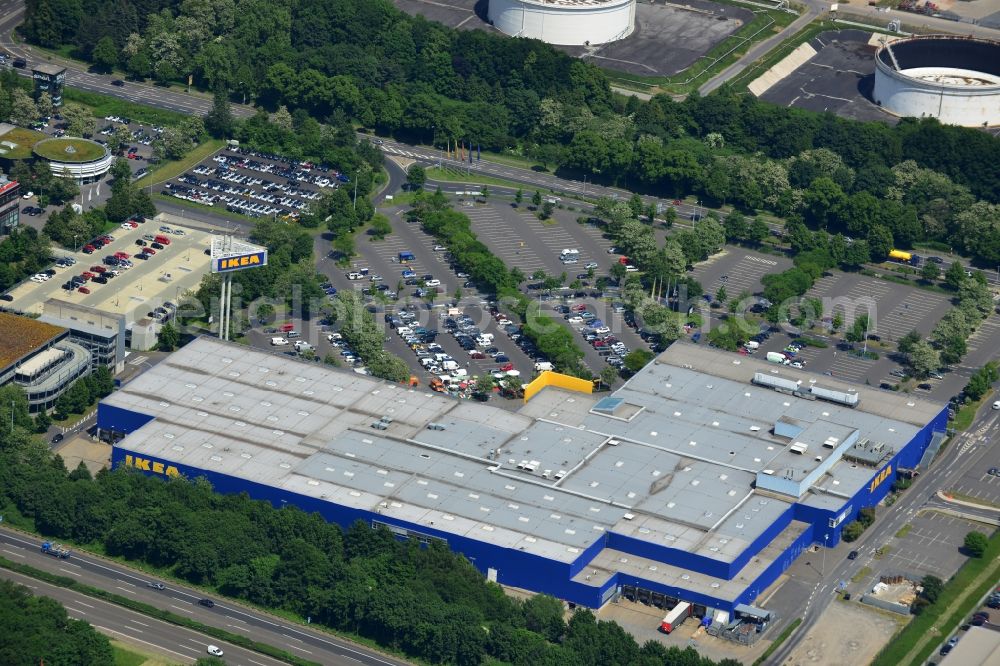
88	249
86	275
98	269
148	251
107	238
121	255
83	290
506	366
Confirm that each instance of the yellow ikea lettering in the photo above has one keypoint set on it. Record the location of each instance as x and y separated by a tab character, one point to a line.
150	466
882	476
236	262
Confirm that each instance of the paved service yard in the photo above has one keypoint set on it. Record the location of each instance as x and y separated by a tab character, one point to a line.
837	79
172	271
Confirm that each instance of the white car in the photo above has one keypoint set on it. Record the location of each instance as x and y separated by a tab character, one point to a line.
355	276
215	651
28	195
39	277
278	342
591	264
575	320
432	283
996	405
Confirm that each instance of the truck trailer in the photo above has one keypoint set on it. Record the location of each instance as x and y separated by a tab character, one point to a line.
55	550
675	617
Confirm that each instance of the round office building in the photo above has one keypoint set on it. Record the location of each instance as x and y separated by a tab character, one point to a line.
564	22
80	159
953	79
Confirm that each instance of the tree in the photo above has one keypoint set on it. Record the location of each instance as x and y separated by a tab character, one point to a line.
720	295
609	375
930	271
105	54
380	227
14	402
416	176
906	342
923	359
343	244
44	105
169	337
23	111
637	359
955	276
547	209
79	120
852	531
617	271
932	588
536	199
518	196
975	543
282	118
219	121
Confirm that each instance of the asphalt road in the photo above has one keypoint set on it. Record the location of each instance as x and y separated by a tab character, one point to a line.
146	633
195	103
118	579
966	451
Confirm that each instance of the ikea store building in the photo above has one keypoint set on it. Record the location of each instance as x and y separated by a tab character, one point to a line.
700	480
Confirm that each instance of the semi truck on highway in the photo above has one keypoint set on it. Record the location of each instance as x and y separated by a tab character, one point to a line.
675	617
55	550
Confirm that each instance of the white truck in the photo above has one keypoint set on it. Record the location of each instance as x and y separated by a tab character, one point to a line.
542	366
751	345
777	357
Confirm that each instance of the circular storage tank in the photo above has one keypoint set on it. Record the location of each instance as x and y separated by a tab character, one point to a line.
564	22
953	79
70	157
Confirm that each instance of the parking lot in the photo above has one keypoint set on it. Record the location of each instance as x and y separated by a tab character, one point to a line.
978	485
255	184
520	239
738	270
134	291
932	546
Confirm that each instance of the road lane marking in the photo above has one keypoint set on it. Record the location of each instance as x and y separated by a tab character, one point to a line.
84	604
72	573
296	647
125	589
13	553
140	623
76	610
255	662
186	610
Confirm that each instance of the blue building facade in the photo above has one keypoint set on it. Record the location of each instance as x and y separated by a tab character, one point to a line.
520	568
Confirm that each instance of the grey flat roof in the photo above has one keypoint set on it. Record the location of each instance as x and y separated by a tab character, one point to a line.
673	464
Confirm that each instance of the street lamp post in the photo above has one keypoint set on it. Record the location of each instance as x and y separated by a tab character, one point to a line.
244	93
826	540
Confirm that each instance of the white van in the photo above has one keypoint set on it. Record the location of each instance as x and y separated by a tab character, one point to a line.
485	340
278	342
751	345
542	366
449	365
569	253
459	372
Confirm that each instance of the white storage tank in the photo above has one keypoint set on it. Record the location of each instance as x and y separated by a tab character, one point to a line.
564	22
953	79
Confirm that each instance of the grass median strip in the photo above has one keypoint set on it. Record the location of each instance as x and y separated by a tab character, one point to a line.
782	637
917	640
152	611
167	170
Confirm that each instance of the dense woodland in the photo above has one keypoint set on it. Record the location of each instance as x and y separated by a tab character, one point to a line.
36	630
367	61
426	602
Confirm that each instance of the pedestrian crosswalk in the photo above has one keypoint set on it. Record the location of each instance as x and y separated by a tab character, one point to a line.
395	150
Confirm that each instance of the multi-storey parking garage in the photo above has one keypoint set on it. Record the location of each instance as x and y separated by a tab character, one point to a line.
701	479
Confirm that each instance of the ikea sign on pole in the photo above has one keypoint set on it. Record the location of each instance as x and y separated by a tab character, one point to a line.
227	264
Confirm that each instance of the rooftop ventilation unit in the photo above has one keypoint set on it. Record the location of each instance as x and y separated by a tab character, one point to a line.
799	447
380	425
438	426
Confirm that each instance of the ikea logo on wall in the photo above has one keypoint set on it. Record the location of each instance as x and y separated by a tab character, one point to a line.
147	465
226	264
882	476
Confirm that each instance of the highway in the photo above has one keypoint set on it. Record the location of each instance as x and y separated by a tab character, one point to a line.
148	634
963	453
194	103
91	570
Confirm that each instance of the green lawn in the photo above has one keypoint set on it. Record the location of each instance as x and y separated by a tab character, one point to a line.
24	140
164	171
69	149
967	413
918	640
105	105
124	657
